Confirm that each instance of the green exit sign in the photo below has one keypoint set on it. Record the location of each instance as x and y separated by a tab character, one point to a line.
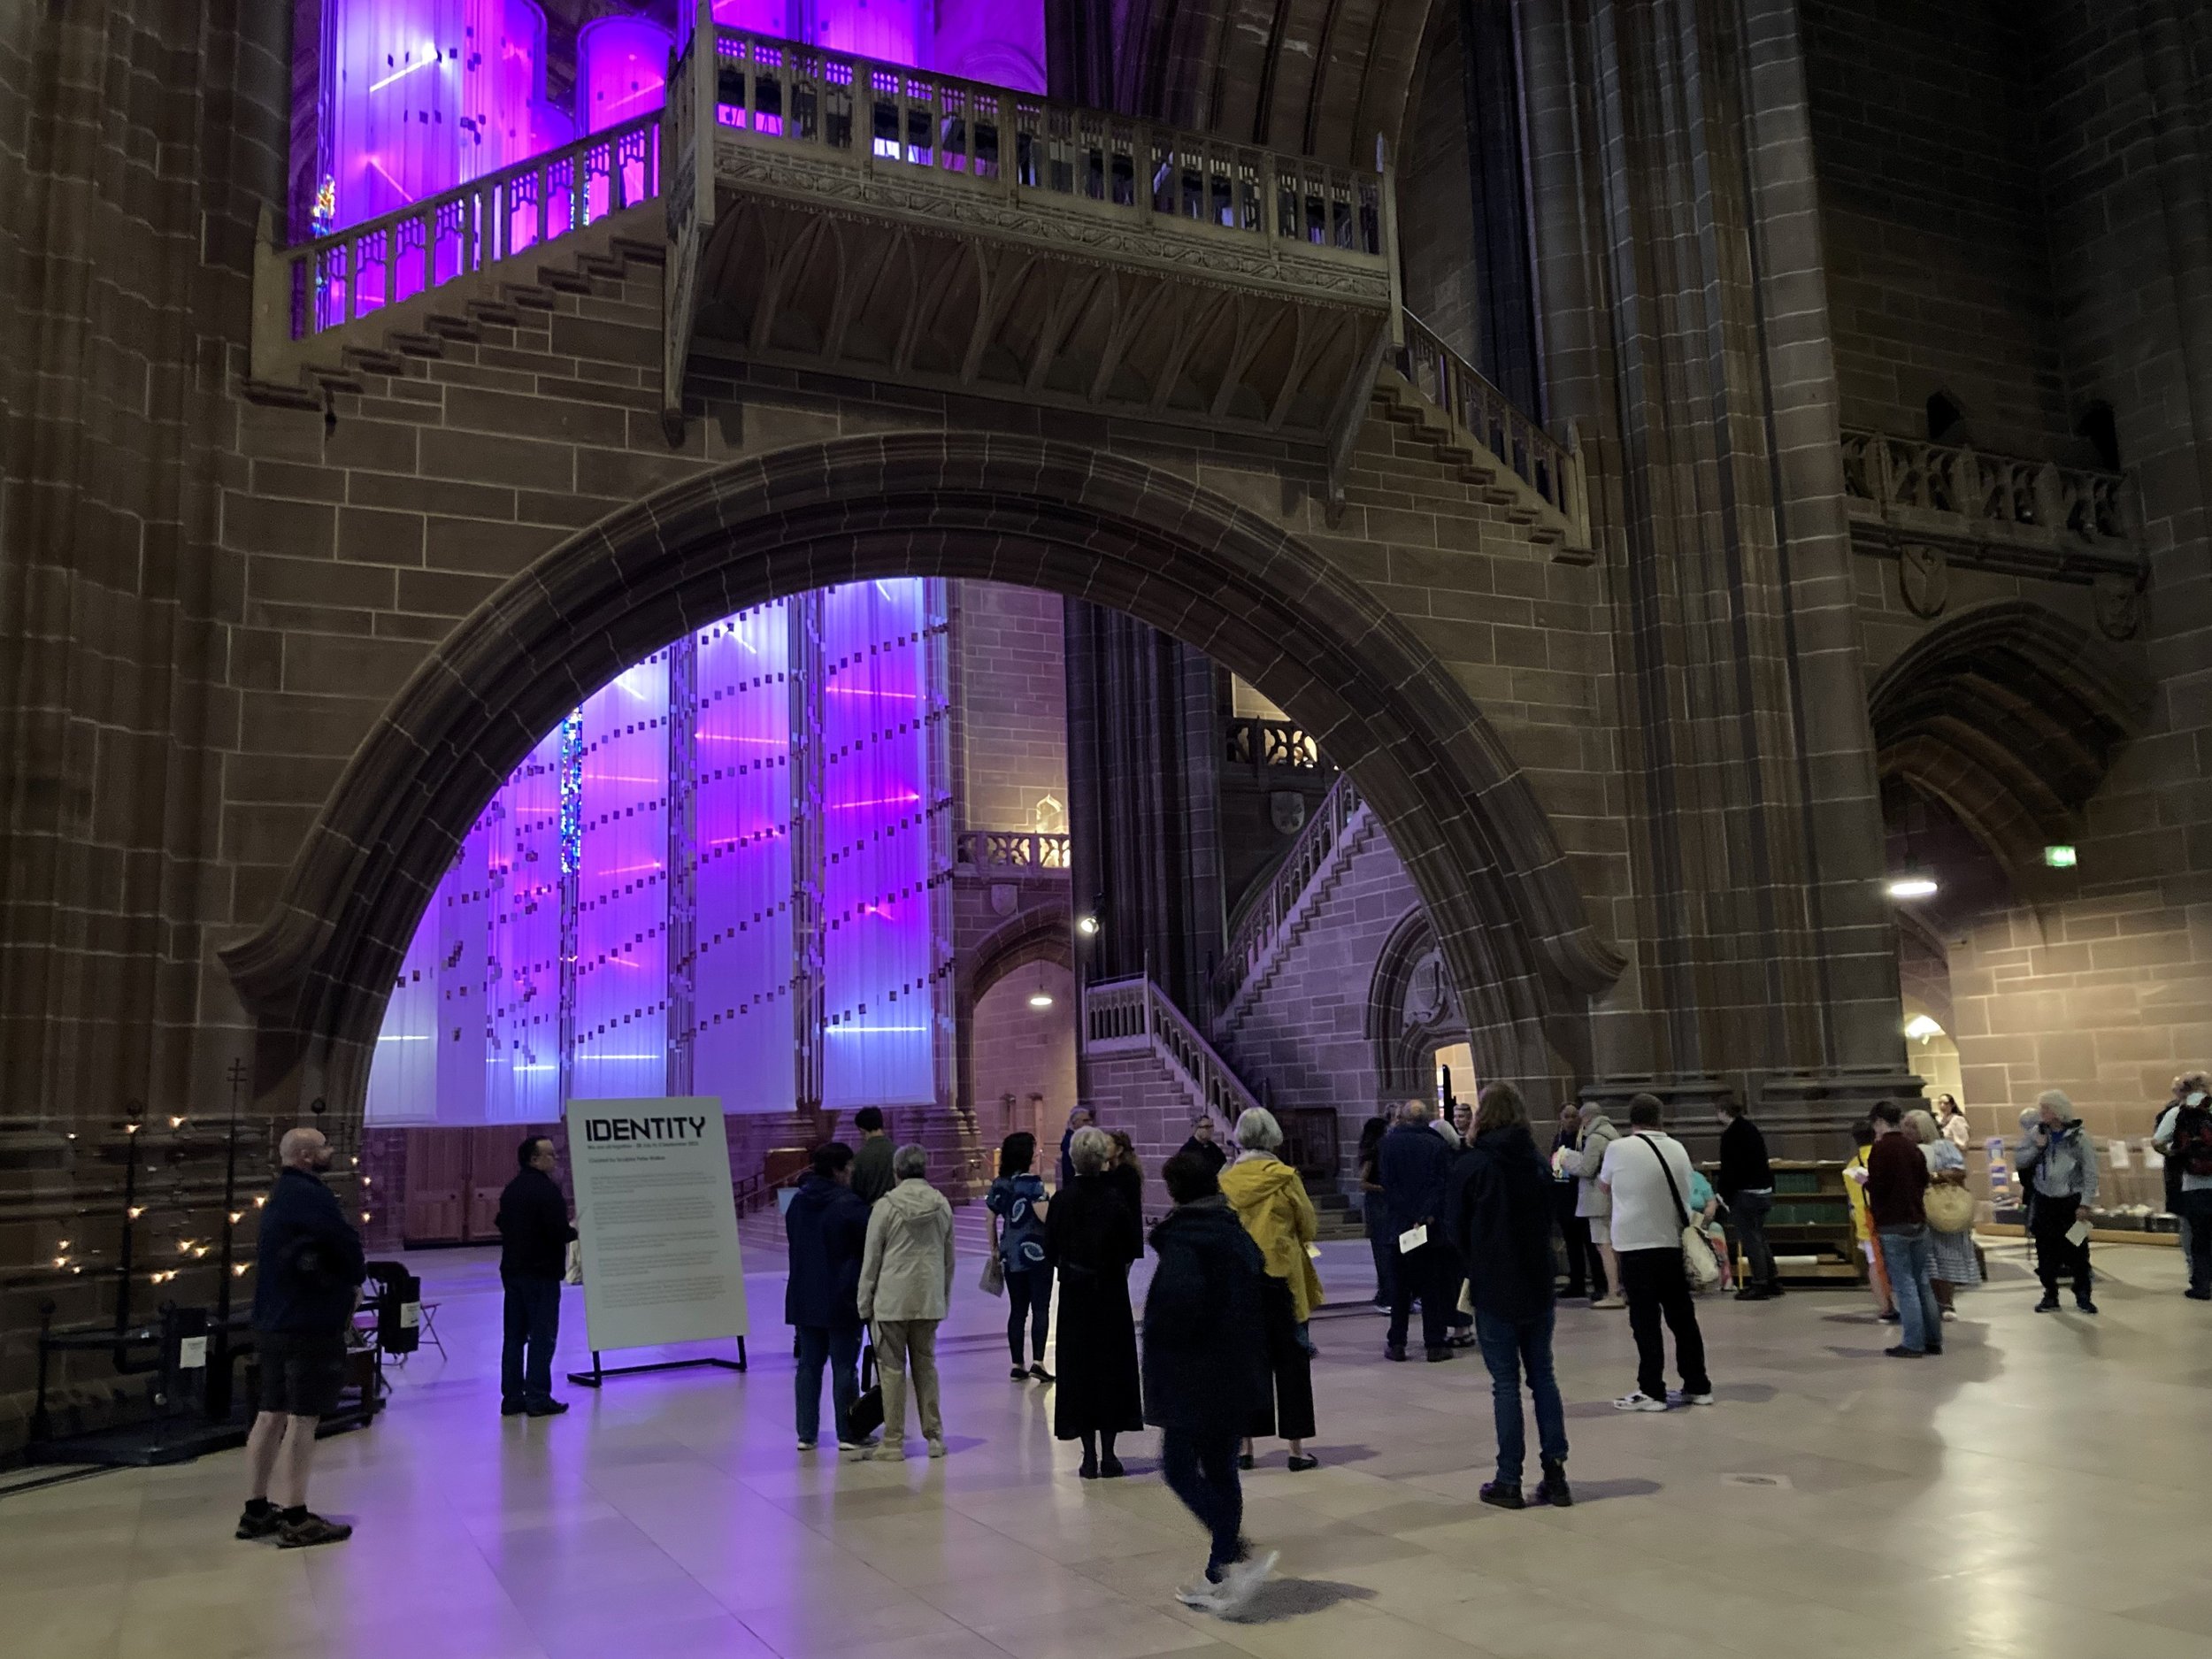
2058	857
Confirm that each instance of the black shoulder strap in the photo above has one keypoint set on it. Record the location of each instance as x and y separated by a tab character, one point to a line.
1681	1215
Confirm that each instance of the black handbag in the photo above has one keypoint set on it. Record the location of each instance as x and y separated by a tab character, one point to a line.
866	1416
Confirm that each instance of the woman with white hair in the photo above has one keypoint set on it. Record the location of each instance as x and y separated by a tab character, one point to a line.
1270	1200
905	1289
1095	1234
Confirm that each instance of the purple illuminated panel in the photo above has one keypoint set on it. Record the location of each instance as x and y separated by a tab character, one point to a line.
462	907
742	989
622	890
878	1019
980	39
522	1063
404	1072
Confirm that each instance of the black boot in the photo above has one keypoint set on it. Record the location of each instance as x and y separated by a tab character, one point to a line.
1553	1488
1506	1495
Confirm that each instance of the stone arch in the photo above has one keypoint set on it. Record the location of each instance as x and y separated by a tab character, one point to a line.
2011	716
1046	932
1480	850
1400	1045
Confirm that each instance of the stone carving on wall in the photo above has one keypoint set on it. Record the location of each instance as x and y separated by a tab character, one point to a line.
1923	576
1287	812
2119	607
1425	996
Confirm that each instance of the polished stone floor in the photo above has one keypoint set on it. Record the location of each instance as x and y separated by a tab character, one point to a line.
2027	1494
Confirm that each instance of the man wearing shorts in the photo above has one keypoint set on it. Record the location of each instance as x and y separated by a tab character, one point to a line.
308	1274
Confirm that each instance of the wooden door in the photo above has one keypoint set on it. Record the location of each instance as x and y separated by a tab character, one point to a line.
437	1184
1309	1144
491	1166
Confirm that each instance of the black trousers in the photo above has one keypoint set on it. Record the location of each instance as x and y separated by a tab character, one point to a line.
1200	1467
2055	1256
1429	1275
1029	1302
1657	1289
1584	1266
532	1328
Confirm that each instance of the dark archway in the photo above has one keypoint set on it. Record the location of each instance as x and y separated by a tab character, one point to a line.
2010	716
1482	852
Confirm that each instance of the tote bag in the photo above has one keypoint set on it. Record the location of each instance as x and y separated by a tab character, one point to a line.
1700	1265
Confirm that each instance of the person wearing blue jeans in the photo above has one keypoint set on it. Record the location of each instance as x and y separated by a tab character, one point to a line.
1896	1186
826	1229
1497	1213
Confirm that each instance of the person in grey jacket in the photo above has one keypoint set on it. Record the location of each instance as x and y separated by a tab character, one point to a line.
1583	1161
905	1289
2058	1167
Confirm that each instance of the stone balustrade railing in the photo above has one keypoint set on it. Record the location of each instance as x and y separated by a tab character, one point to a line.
1518	441
1022	852
1124	1015
1266	745
1969	501
1255	929
369	268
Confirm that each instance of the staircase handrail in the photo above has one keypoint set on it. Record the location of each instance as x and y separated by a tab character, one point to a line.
313	287
1516	439
1264	916
1122	1015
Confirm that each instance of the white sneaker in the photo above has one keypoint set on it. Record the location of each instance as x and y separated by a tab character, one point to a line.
1638	1402
937	1447
806	1446
1242	1582
1200	1592
1950	1315
1679	1397
885	1452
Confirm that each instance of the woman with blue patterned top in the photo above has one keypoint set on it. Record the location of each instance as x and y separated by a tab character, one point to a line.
1017	1203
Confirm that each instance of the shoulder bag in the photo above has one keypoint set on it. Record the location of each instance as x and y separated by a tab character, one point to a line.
1948	1207
994	1279
1699	1264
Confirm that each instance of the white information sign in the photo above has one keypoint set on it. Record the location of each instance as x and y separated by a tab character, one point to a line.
658	1220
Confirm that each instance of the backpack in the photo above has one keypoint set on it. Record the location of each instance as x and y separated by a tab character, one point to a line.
2192	1143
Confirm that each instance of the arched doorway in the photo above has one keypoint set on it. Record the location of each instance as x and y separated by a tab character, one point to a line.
1508	916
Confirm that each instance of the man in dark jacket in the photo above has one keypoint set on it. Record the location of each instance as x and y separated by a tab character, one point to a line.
1745	1185
534	1235
1202	1143
871	1176
308	1273
827	1230
1499	1206
1414	1161
1206	1371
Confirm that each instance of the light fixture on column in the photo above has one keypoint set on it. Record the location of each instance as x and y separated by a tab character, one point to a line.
1088	926
1911	885
1919	1028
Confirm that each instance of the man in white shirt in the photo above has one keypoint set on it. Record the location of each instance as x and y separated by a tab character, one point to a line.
1648	1175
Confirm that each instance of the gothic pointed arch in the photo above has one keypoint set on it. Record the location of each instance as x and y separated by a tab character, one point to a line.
1481	851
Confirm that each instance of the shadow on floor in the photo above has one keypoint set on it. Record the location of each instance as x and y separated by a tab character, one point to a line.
1599	1491
1755	1393
1279	1599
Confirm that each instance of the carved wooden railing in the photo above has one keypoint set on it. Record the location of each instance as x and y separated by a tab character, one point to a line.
1254	931
1027	852
1959	495
1127	1016
1515	440
365	269
1273	746
883	118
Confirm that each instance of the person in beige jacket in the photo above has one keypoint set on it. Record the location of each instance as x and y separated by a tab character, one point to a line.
905	1289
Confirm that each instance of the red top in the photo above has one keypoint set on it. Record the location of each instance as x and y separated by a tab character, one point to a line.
1896	1176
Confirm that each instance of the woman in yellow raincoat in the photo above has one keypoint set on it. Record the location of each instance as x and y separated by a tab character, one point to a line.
1270	1200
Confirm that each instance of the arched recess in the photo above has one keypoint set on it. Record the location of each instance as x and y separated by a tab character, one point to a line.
1045	933
1482	852
1404	1037
2011	716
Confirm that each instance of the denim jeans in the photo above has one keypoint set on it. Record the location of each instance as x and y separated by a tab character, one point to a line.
533	1321
1748	1211
838	1346
2196	1214
1510	1350
1200	1467
1909	1254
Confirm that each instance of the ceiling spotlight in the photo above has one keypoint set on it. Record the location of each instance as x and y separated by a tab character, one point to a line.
1041	998
1087	926
1919	1028
1911	886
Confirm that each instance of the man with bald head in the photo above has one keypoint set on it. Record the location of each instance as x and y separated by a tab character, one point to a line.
307	1277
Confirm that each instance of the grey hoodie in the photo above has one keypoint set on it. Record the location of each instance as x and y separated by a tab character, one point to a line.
2069	1168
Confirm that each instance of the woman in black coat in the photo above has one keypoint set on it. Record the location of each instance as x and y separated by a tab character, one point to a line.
1095	1235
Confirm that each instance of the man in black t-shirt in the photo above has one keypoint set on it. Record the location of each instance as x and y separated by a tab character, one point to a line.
534	1235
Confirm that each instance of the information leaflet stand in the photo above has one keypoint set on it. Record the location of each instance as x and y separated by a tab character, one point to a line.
657	1221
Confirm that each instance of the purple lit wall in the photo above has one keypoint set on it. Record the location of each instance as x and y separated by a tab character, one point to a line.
487	1024
980	39
878	1021
522	1061
621	1021
419	96
741	975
